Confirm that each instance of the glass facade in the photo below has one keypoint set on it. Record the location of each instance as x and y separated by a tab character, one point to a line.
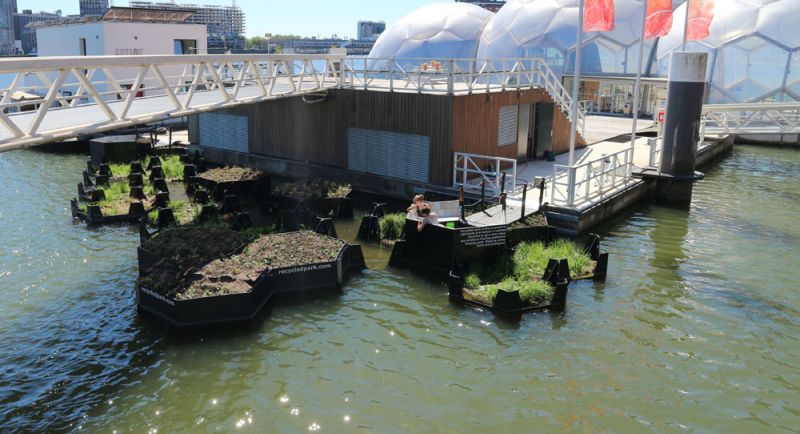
753	50
438	31
547	29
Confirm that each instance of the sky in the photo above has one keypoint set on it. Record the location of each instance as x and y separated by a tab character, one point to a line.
299	17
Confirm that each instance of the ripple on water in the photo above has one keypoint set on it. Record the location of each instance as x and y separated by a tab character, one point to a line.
699	312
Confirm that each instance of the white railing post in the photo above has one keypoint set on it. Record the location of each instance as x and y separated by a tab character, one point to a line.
571	186
450	76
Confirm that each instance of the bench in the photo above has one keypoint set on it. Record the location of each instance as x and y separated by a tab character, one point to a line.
446	211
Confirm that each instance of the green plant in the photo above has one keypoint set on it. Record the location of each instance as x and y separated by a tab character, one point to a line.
579	262
117	191
530	259
120	170
472	281
391	226
172	167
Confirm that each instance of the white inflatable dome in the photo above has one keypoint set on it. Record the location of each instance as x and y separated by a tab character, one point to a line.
752	43
437	31
547	29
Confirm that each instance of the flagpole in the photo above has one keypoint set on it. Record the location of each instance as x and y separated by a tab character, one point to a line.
685	25
576	81
635	108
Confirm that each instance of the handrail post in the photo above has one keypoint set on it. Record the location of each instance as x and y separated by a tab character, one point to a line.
391	75
450	77
455	169
571	186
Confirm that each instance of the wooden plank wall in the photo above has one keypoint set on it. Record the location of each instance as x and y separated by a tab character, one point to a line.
476	122
293	129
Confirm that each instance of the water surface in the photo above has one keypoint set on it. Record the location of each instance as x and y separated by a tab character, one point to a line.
696	329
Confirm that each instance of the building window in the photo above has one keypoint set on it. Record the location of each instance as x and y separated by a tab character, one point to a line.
507	131
185	46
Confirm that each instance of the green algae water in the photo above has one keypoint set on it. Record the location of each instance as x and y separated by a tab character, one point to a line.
697	329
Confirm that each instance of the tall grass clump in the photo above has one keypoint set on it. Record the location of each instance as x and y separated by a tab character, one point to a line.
172	167
391	226
530	259
117	191
120	170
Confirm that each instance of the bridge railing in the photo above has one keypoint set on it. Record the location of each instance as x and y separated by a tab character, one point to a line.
752	118
111	92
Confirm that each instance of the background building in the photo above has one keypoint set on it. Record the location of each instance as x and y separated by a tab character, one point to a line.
26	34
7	45
122	32
93	7
225	24
370	30
492	5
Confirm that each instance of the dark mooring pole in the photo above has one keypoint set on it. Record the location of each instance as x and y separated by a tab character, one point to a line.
686	87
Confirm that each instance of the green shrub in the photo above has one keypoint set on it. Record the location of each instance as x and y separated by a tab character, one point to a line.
472	281
391	226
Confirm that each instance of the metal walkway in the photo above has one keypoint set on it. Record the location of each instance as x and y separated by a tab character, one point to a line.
57	98
752	118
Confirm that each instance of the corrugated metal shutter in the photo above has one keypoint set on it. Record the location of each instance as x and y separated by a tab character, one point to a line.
507	133
224	131
398	155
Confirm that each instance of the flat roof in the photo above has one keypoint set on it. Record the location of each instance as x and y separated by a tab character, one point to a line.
123	14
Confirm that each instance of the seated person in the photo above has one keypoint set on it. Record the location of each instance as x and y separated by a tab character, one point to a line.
423	212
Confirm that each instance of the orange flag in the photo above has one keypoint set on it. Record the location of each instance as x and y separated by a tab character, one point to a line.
659	18
701	13
598	15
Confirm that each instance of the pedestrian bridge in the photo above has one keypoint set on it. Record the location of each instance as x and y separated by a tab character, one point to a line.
57	98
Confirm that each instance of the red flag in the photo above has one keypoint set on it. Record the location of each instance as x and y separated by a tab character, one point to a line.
598	15
659	18
701	12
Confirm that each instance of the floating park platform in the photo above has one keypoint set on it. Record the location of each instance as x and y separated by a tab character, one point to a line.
202	276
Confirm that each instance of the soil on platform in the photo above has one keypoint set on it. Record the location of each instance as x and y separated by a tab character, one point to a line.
533	220
236	274
313	189
231	174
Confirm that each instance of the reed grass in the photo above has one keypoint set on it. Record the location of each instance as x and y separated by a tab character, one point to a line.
391	226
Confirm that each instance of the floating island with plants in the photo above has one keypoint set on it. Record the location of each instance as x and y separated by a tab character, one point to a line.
310	198
126	193
235	180
202	275
533	277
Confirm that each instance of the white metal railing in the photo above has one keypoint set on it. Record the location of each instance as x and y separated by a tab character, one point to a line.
110	92
453	76
752	118
54	98
656	144
474	171
583	184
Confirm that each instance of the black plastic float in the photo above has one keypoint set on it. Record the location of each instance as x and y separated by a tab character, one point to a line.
94	215
92	195
245	306
251	187
370	229
509	302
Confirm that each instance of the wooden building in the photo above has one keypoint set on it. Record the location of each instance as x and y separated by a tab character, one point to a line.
382	142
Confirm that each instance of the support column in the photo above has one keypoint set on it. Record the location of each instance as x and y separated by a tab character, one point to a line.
685	92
